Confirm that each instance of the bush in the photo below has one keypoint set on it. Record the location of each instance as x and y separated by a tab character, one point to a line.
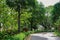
57	27
6	36
20	36
27	33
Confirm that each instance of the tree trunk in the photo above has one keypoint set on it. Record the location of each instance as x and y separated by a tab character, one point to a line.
18	22
31	23
0	25
18	17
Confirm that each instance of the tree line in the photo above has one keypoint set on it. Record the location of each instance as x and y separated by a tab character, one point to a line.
19	14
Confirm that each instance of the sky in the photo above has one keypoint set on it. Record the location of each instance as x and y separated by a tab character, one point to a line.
48	2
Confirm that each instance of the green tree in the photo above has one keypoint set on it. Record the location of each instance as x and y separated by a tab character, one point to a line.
7	18
56	12
56	18
48	18
18	5
37	15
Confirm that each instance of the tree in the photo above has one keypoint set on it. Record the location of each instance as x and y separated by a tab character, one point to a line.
3	12
48	17
37	15
18	5
56	18
56	12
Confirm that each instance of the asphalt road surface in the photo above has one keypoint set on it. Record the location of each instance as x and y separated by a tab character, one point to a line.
44	36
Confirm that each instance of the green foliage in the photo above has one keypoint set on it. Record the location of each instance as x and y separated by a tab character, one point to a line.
18	5
56	12
57	22
49	9
47	21
20	14
56	18
23	3
20	36
5	36
37	15
57	26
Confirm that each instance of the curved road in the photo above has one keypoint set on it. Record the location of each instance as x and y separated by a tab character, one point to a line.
44	36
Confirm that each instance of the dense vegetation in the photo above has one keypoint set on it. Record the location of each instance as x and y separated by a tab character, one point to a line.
18	16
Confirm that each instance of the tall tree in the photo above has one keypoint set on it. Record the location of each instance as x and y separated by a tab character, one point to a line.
56	12
56	17
37	15
18	5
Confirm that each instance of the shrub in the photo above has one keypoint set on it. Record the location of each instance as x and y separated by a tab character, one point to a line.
57	26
